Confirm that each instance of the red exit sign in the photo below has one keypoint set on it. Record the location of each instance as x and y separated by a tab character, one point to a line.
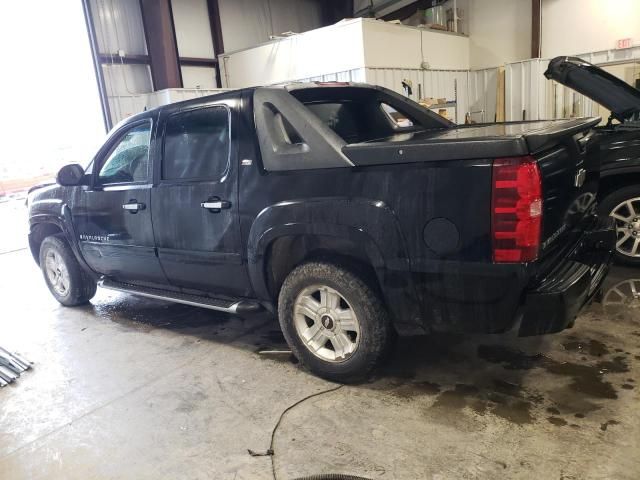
624	43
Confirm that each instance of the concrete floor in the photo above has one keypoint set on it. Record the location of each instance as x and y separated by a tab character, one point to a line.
130	388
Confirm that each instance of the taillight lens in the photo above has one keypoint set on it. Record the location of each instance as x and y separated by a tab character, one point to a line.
516	210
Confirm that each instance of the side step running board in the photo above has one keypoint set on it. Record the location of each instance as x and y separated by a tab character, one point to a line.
238	306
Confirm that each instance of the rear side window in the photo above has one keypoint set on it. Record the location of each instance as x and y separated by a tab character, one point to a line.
196	145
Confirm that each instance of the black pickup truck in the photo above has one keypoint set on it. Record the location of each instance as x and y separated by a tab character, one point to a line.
619	139
351	211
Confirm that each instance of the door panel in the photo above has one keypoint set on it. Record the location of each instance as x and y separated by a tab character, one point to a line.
195	210
114	219
116	242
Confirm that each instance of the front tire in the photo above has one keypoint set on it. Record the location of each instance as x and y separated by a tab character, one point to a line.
624	206
334	323
64	276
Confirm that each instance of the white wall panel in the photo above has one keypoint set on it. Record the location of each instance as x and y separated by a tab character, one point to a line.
523	99
193	30
198	77
499	31
526	89
357	75
432	83
570	27
388	45
345	46
118	25
482	90
325	50
124	83
127	79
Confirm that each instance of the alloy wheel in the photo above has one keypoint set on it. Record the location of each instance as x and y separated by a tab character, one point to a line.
627	217
57	273
326	324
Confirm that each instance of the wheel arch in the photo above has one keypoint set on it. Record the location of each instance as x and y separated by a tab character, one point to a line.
39	231
359	233
344	246
42	225
615	181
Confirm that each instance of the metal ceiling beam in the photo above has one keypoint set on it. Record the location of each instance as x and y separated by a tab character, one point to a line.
159	30
198	62
115	59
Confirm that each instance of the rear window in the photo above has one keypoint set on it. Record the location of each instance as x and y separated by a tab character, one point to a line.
345	119
359	121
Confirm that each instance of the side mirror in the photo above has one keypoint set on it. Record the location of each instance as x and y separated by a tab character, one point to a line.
70	175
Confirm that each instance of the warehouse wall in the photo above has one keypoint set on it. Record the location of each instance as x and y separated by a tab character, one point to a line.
349	45
193	36
579	26
301	56
246	23
388	45
500	31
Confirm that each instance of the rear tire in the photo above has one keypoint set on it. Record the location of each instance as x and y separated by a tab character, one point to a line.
64	276
617	205
334	323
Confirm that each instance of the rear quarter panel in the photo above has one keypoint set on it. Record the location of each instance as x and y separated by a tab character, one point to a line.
429	221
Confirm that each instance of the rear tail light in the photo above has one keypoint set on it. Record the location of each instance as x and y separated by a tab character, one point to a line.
516	210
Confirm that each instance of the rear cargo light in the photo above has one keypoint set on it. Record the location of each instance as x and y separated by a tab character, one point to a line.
516	210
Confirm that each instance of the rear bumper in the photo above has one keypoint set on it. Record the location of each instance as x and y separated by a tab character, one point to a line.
553	304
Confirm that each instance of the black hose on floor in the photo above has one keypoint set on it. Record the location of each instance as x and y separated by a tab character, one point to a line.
331	476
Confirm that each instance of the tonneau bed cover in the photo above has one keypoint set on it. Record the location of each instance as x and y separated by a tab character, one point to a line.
467	142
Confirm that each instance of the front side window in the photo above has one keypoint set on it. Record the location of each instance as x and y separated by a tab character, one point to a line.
129	160
196	145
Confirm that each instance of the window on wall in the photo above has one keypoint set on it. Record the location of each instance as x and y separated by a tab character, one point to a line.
196	145
129	159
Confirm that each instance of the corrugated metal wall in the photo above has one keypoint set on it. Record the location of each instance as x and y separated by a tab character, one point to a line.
476	90
530	96
482	92
357	75
449	84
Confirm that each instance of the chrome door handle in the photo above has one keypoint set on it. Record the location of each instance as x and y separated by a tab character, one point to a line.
133	206
215	204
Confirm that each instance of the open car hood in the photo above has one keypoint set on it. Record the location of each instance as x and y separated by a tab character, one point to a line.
609	91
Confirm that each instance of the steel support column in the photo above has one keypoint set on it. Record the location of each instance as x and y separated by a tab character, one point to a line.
216	34
159	30
536	13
